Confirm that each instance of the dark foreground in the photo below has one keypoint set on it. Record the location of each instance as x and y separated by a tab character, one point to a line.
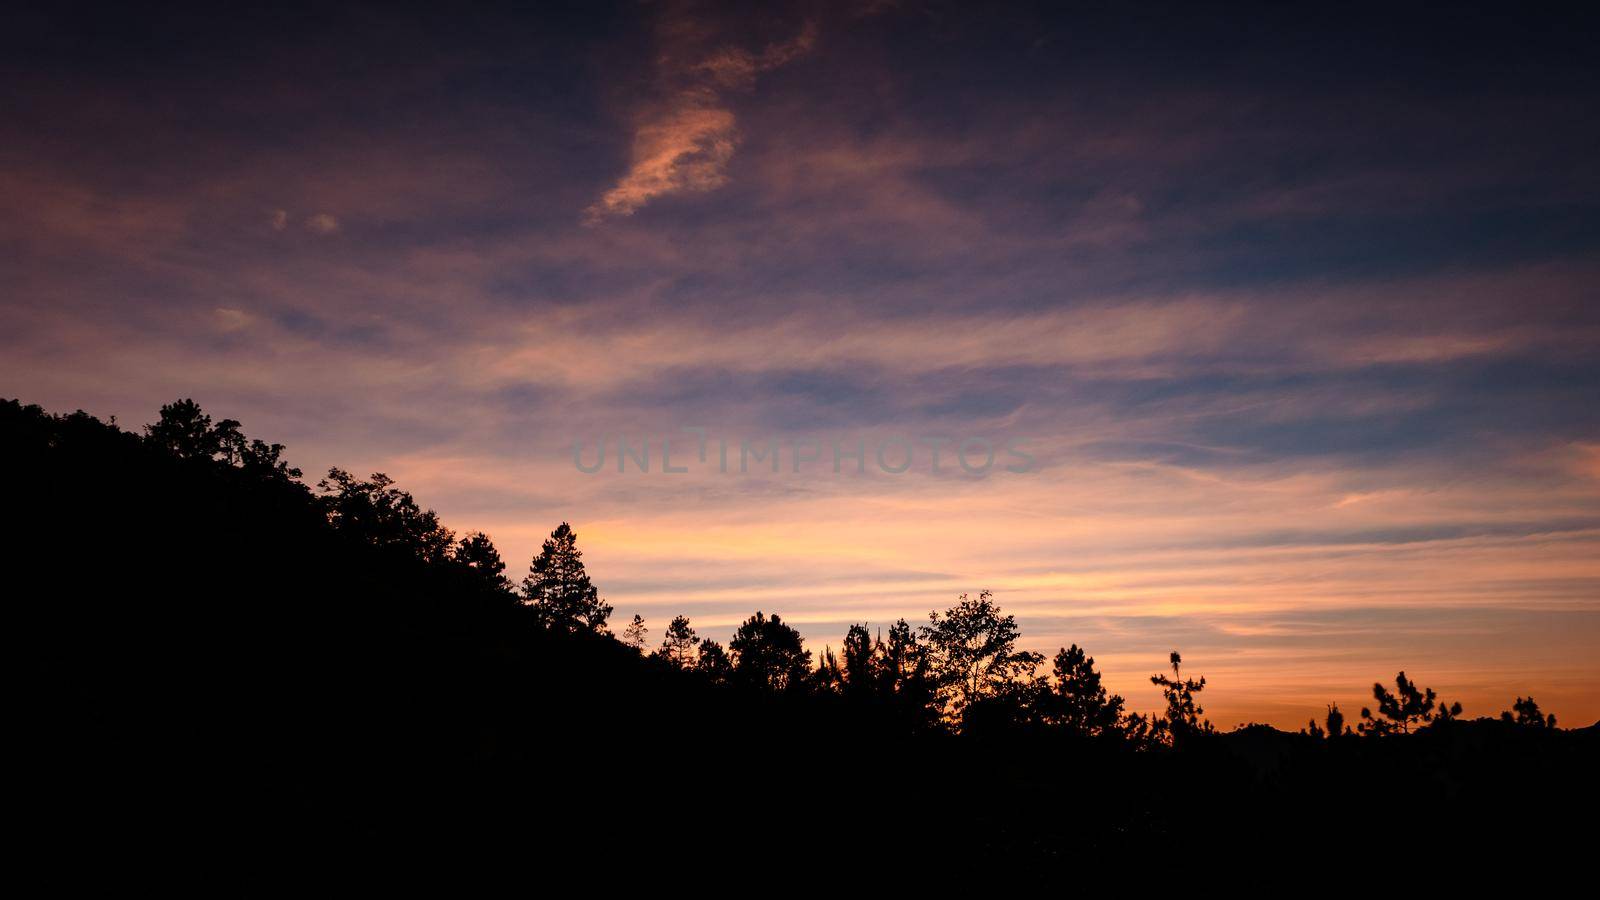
209	674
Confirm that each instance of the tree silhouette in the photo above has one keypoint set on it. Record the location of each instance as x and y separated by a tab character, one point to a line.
1336	726
635	634
904	676
1079	703
769	654
1140	731
973	654
1184	713
1527	714
678	646
185	431
828	677
558	588
713	662
265	460
377	512
478	554
859	676
1405	707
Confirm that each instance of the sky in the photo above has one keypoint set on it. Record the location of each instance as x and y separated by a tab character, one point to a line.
1291	315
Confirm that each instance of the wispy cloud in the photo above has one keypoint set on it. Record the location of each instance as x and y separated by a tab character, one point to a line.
683	144
682	150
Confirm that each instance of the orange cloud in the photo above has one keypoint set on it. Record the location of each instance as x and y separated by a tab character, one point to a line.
685	151
684	145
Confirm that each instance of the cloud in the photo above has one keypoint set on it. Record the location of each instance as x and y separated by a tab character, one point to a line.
685	151
229	319
684	145
734	67
322	223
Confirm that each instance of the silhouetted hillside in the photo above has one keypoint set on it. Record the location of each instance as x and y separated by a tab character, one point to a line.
214	656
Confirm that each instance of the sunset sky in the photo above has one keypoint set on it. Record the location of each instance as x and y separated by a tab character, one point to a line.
1298	320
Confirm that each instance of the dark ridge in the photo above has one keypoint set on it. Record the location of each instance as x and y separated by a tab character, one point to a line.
219	665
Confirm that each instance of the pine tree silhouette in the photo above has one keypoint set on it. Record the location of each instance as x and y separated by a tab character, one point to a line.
679	643
1407	707
636	633
558	588
770	655
1080	703
1183	719
477	553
